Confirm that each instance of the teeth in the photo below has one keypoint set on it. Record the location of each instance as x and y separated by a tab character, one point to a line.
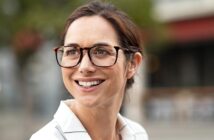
89	84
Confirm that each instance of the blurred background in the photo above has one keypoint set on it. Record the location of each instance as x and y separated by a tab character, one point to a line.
173	97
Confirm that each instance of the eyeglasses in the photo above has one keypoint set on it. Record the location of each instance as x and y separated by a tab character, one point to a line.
100	55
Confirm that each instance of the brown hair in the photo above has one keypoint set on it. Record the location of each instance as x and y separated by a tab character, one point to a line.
128	33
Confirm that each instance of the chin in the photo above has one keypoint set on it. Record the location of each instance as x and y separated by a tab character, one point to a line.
88	102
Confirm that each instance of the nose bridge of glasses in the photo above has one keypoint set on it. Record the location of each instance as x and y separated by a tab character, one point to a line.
86	54
86	49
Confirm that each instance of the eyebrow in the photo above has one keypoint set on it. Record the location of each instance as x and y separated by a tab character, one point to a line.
101	44
96	44
72	44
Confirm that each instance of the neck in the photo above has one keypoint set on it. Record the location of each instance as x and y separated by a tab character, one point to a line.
100	123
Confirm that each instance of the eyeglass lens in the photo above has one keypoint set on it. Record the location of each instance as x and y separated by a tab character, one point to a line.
99	55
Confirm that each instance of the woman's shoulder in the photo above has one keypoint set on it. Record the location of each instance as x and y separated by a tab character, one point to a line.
49	131
135	126
136	129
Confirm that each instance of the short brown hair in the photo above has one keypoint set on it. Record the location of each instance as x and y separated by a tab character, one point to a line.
128	33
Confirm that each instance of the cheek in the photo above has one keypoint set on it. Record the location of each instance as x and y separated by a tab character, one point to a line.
120	71
67	71
66	75
118	80
121	65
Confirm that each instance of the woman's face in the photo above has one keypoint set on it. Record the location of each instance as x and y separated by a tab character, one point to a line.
88	84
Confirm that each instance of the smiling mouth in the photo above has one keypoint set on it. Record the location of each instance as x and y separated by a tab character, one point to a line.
89	84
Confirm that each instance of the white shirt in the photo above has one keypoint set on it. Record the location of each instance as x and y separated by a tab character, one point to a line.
66	126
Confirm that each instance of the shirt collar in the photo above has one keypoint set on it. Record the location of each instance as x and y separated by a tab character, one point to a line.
69	122
125	131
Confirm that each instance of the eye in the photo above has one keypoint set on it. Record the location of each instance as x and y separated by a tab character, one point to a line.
102	51
71	51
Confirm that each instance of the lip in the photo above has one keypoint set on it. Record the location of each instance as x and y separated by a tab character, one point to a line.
88	89
88	79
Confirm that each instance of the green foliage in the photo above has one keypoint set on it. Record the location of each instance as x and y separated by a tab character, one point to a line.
138	10
48	16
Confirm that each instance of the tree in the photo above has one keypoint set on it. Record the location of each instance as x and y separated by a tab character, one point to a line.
48	16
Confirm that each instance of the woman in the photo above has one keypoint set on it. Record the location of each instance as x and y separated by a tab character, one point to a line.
99	55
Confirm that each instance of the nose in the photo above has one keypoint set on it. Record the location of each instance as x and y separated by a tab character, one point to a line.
85	65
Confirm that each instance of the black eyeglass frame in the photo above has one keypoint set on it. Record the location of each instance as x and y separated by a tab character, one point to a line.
88	50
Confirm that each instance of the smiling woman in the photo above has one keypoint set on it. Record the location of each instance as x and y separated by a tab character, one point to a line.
99	55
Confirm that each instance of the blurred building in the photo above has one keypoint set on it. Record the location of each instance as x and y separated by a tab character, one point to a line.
180	73
29	95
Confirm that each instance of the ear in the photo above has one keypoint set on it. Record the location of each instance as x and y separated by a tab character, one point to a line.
134	65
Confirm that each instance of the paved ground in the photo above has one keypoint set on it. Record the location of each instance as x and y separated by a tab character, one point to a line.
172	130
181	131
16	126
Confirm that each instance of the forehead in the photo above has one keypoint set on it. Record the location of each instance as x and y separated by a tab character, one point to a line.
90	30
